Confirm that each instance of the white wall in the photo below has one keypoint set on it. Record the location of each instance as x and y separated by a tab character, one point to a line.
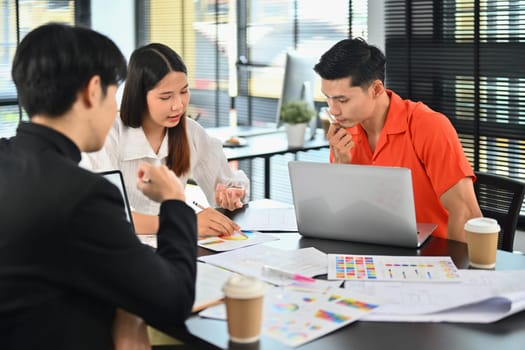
376	23
116	19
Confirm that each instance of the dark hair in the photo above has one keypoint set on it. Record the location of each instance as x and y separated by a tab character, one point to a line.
352	58
147	66
55	61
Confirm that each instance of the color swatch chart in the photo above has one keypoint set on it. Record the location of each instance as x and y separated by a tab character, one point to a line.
294	316
392	268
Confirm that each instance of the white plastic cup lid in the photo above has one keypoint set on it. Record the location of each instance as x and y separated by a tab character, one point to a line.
243	287
482	225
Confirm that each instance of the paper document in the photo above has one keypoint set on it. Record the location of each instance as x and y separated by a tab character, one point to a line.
295	316
480	297
235	241
267	219
392	268
208	288
250	261
218	312
150	240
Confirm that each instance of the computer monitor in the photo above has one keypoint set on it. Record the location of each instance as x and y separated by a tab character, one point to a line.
299	83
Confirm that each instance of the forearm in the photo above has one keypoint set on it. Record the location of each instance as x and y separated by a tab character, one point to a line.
455	230
144	223
129	332
461	204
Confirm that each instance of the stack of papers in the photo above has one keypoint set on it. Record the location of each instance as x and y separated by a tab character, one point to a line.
480	297
251	260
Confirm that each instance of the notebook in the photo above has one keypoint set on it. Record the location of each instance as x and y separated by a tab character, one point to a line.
115	177
369	204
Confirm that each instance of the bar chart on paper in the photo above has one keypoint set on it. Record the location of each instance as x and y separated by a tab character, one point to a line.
392	268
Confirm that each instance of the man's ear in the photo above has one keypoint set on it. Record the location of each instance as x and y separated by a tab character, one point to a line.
92	91
377	88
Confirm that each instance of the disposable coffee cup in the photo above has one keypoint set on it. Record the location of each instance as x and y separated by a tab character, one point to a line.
482	241
244	298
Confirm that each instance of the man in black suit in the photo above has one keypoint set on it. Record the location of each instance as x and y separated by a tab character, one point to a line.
68	257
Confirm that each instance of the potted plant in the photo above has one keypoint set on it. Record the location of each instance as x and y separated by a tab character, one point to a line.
295	115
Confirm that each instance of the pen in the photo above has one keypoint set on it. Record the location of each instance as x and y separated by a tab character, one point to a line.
270	271
198	205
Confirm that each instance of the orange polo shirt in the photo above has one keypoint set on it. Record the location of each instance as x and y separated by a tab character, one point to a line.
416	137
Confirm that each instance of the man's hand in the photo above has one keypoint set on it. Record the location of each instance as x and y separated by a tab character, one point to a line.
159	183
341	143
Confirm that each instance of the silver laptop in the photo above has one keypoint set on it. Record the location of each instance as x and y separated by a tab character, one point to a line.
369	204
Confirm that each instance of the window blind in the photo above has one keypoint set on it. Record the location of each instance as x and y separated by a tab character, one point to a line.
203	34
464	58
18	18
235	51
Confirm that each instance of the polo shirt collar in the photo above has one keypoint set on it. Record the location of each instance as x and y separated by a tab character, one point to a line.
396	122
135	145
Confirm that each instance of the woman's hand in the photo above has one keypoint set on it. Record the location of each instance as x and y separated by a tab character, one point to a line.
229	197
210	222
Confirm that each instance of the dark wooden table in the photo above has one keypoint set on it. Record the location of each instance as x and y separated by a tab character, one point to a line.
506	334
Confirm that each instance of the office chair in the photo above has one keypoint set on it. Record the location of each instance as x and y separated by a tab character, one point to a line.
500	198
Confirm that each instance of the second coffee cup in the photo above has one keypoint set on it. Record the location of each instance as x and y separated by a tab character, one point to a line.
482	240
244	305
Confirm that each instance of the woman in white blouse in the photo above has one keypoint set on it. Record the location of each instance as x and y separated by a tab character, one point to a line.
153	128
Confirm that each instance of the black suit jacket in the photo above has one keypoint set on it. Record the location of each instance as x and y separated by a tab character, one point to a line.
68	256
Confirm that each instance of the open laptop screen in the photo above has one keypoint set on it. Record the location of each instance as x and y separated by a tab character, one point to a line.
115	177
361	203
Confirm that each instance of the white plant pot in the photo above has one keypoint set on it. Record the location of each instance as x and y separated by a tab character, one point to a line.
295	134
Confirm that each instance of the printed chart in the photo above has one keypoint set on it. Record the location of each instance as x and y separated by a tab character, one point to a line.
294	317
238	240
392	268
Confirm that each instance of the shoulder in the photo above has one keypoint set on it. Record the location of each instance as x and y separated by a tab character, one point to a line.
198	136
421	116
4	144
194	128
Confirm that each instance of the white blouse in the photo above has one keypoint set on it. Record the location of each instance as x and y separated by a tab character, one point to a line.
126	147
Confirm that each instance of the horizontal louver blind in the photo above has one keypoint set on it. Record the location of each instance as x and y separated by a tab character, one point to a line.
465	59
274	27
9	114
32	13
201	32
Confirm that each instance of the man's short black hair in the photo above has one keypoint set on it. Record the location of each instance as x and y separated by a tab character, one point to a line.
353	58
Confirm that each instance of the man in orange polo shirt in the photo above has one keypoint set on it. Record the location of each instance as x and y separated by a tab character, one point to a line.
374	126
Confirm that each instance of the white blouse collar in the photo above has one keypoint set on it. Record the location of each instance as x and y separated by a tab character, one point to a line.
137	145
